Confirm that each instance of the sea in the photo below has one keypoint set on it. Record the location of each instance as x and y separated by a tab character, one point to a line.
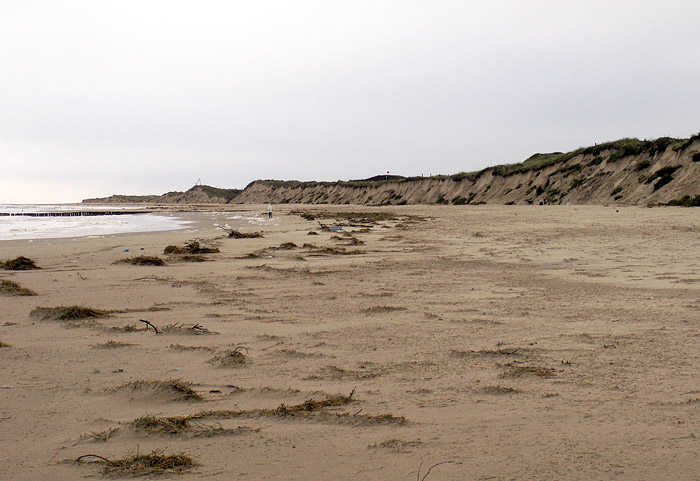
18	227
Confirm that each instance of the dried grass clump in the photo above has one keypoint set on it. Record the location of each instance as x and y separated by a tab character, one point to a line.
156	462
503	351
180	347
396	445
335	251
9	288
381	309
261	254
322	409
230	357
180	389
68	313
111	344
192	248
170	425
518	371
182	425
192	258
234	234
335	372
178	328
498	390
353	217
127	328
309	406
142	261
20	263
293	353
287	246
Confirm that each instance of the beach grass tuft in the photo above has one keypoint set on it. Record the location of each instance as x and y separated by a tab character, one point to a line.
230	357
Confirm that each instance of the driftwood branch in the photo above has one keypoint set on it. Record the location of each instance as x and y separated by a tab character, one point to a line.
149	324
418	478
270	347
95	456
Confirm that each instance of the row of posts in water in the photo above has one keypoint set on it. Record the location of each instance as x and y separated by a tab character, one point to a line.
74	213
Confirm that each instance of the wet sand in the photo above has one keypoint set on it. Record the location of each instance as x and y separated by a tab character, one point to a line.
507	342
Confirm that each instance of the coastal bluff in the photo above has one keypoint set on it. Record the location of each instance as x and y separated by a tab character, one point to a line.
665	171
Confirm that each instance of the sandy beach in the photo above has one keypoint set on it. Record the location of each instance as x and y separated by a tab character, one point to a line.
484	342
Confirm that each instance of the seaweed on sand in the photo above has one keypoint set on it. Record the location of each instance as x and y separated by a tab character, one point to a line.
142	261
20	263
192	258
192	248
354	217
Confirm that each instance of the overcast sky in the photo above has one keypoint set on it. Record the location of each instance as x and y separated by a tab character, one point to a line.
143	97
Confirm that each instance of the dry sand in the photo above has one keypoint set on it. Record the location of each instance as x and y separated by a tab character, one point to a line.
512	342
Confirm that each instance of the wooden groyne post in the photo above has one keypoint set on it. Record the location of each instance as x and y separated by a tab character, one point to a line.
76	213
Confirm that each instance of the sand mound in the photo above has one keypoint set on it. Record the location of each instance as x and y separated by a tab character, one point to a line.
192	248
9	288
168	390
67	313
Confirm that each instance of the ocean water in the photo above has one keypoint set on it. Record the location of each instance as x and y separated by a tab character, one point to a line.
22	227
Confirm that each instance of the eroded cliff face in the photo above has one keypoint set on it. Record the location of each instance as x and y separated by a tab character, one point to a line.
625	172
657	175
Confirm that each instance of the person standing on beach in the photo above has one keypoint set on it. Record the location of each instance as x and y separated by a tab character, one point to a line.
269	211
